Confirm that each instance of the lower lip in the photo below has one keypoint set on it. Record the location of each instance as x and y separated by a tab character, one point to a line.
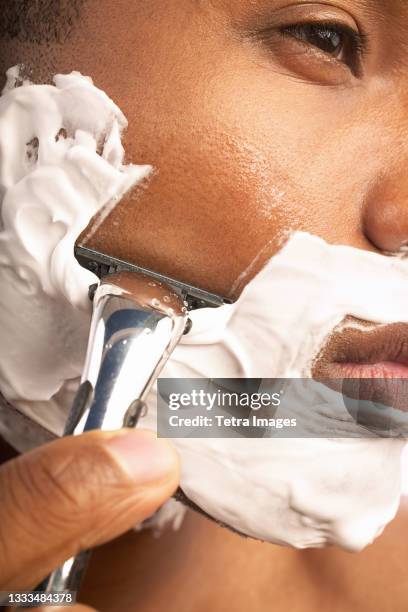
382	369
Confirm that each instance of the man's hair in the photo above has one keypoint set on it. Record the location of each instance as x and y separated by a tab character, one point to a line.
38	21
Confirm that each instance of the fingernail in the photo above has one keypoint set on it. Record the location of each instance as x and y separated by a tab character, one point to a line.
144	457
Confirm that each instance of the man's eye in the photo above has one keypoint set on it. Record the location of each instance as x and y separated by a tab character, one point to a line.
336	40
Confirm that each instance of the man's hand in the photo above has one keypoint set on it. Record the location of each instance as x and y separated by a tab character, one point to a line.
76	493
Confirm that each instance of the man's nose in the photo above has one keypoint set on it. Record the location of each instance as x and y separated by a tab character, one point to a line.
385	214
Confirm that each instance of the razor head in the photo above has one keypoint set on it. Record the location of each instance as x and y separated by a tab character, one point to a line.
102	265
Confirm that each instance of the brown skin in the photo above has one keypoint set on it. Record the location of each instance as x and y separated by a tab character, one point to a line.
252	134
206	568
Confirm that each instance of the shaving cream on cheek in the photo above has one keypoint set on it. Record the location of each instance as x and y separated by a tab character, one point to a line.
61	162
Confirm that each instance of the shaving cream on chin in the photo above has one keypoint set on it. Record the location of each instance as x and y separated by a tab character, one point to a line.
302	492
61	161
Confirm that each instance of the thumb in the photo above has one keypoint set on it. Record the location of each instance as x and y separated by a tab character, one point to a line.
75	493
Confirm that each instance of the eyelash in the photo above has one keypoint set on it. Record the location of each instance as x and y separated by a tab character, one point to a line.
357	41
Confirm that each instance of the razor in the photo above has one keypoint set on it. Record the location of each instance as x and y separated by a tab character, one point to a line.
139	317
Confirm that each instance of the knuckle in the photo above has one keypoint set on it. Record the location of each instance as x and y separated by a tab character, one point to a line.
78	484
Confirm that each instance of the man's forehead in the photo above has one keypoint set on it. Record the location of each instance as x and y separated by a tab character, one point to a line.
52	20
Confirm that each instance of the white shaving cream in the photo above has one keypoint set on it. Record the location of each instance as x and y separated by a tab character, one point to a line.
61	162
52	181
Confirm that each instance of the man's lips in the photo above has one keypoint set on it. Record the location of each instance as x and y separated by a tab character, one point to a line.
367	363
381	352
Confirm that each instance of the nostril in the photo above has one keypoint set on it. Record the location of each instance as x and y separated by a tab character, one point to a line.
385	225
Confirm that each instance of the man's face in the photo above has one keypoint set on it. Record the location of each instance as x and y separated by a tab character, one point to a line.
259	118
255	123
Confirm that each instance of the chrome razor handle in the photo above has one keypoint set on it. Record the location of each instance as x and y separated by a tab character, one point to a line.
136	324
